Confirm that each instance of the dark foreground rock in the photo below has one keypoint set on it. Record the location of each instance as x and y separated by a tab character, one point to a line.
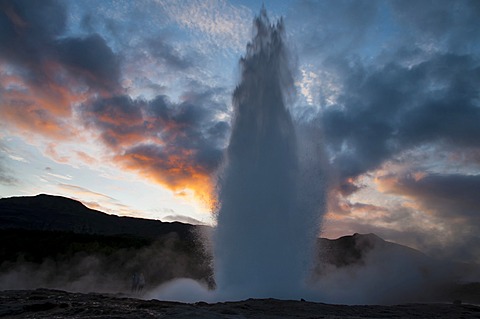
43	303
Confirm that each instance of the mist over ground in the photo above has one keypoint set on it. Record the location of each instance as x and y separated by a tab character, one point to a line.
359	269
98	263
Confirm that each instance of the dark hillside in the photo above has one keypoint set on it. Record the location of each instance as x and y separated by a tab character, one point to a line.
104	263
56	242
353	249
55	213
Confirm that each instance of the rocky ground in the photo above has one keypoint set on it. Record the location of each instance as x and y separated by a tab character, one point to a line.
43	303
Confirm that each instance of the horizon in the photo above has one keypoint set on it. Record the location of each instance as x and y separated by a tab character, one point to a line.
183	222
127	107
212	226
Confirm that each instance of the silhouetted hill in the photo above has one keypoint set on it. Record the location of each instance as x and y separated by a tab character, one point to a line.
370	269
353	249
56	242
56	213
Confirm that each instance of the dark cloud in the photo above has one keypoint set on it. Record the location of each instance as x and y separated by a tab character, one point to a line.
450	196
92	58
383	111
191	126
28	28
120	109
160	50
119	119
452	202
44	73
346	187
452	24
453	237
31	33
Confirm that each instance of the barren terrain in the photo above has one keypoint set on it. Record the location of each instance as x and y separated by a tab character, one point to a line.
43	303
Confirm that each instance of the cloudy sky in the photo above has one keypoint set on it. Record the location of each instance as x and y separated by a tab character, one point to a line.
126	106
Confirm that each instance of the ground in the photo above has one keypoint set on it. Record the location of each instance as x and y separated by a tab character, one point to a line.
43	303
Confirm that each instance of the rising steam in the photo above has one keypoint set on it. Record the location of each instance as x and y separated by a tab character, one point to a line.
267	222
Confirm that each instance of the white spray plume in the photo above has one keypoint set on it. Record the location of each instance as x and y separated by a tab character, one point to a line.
266	227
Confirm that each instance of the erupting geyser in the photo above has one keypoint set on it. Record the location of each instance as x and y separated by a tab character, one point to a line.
268	212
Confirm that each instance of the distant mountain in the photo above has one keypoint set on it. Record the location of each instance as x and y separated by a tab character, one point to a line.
56	213
56	242
354	249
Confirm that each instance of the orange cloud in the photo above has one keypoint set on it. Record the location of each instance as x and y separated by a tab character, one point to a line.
84	157
386	183
51	151
177	172
39	109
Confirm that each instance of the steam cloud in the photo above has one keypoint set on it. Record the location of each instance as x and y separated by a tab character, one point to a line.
103	270
265	231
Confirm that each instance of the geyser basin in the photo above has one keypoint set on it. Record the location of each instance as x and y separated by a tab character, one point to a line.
266	224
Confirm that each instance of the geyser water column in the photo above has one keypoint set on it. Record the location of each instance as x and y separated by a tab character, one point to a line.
264	233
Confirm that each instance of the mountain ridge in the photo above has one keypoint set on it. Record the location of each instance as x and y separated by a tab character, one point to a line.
58	213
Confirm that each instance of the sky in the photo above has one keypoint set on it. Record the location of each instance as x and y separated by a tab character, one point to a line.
127	106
